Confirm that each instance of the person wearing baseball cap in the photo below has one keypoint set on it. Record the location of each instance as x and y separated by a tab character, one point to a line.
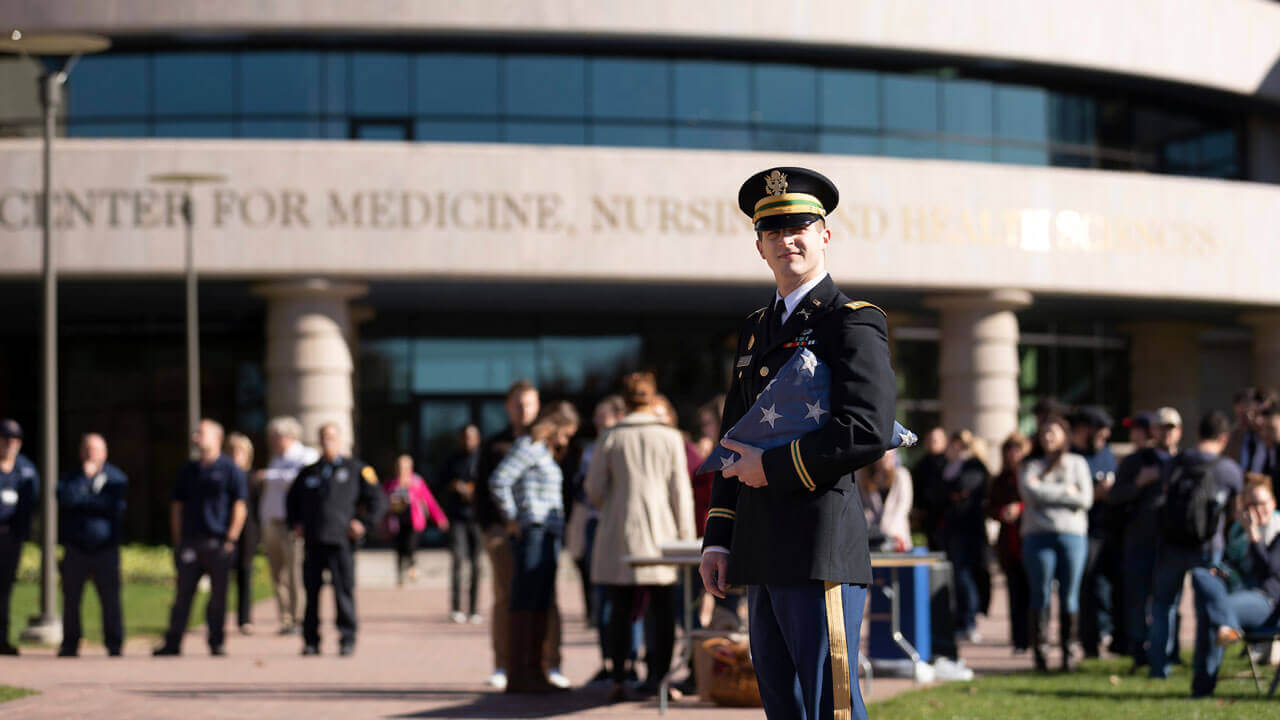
1090	431
1136	497
19	488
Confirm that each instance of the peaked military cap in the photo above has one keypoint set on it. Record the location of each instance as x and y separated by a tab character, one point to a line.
784	197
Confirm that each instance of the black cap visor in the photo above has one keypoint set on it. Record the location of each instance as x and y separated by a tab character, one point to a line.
778	222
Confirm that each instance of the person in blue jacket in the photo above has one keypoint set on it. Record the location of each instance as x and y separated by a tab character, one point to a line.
91	502
19	488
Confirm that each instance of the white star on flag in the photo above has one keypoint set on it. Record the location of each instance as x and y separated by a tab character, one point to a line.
769	415
815	411
809	363
725	462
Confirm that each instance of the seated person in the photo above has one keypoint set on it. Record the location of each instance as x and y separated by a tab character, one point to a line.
1242	593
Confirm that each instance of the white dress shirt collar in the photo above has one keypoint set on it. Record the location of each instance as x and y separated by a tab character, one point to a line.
794	297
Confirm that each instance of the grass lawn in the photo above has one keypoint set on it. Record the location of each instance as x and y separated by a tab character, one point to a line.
12	693
146	602
1102	689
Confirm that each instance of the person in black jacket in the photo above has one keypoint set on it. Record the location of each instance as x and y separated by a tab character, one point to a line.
465	538
331	505
787	522
19	490
91	502
965	480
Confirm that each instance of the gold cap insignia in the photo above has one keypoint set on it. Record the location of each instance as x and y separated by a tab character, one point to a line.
775	183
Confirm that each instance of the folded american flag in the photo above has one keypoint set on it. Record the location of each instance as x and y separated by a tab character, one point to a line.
795	402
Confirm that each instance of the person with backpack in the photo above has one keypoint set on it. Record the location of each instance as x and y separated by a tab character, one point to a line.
1197	489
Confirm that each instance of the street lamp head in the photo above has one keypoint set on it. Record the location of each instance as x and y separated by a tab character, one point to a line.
190	178
54	51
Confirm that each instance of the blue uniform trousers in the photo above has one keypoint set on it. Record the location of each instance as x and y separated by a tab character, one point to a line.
793	654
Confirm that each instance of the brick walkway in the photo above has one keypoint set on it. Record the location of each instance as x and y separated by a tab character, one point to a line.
410	663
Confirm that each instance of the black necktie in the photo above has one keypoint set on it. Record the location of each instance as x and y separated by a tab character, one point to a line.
779	308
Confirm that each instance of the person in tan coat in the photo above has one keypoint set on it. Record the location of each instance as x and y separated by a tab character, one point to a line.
639	479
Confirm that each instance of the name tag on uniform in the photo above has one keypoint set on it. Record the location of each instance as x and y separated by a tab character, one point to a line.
99	481
9	496
744	360
341	475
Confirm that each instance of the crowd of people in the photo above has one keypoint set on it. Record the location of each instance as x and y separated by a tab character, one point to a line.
1117	537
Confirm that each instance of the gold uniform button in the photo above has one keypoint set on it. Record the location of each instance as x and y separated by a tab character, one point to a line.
764	371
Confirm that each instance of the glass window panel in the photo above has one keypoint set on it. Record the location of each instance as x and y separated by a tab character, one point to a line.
630	89
456	84
716	91
1072	119
785	95
385	365
1022	113
910	103
788	141
280	82
108	86
380	84
1218	146
631	135
493	416
280	128
1021	155
847	144
979	152
193	84
910	147
457	131
451	366
107	129
195	128
381	131
554	133
967	108
336	66
692	137
336	129
578	364
542	86
850	98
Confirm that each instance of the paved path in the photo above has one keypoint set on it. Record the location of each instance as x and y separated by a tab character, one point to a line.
410	663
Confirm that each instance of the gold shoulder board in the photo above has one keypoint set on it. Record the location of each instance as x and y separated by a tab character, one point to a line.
860	304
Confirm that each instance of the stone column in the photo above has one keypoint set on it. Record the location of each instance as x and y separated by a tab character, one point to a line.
1266	349
1164	362
309	357
978	363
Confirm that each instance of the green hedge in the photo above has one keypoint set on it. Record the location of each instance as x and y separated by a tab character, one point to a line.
146	564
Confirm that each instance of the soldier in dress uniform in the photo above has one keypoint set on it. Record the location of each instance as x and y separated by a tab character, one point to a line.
331	504
787	522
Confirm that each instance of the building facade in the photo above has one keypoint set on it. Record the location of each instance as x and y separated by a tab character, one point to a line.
426	202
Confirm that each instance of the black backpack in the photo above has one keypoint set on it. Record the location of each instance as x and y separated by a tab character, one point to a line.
1193	502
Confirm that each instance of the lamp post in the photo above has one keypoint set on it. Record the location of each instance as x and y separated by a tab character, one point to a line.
55	55
187	181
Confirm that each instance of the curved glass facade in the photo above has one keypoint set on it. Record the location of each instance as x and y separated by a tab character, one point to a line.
629	101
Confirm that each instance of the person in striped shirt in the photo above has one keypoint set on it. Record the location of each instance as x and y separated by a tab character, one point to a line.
526	488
